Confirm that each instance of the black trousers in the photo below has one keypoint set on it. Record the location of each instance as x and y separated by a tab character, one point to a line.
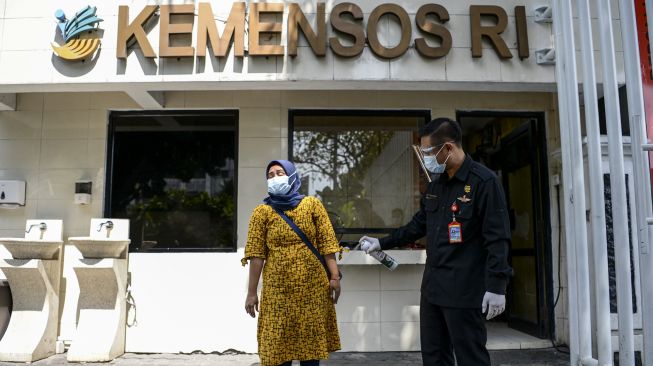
445	331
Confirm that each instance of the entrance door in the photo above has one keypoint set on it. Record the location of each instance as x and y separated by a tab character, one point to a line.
520	174
513	145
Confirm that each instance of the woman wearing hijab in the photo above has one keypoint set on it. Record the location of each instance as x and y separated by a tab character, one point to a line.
297	316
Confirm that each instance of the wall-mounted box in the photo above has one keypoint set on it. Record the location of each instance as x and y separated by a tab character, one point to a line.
83	192
12	193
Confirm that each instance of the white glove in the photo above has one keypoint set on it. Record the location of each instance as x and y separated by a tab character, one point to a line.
369	244
494	304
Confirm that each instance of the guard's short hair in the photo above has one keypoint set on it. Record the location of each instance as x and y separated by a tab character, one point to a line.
427	129
446	130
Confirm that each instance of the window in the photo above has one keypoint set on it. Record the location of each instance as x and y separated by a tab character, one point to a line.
173	175
361	165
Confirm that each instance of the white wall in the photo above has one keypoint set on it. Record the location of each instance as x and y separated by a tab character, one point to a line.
188	302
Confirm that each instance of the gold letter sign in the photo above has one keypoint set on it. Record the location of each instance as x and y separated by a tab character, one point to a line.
234	29
167	28
256	27
433	28
297	20
492	33
126	31
372	31
265	25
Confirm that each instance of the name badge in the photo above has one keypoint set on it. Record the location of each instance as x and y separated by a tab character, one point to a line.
455	229
455	232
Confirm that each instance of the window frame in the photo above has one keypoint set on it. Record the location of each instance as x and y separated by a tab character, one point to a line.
298	112
111	130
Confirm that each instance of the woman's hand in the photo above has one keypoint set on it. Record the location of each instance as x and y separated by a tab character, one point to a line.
334	290
251	304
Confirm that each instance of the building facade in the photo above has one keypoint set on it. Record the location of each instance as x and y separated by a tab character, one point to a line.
172	110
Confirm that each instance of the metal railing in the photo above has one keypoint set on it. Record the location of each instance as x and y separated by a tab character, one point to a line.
580	311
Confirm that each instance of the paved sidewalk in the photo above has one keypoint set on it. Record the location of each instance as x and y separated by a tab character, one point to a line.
541	357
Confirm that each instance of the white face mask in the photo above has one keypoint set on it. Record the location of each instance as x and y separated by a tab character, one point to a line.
432	165
279	185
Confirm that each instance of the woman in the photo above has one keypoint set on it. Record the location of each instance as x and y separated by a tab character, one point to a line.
297	316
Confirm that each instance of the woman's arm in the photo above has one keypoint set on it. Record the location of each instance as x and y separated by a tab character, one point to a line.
334	281
251	301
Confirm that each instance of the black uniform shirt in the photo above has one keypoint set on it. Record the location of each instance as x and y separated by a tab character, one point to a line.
457	275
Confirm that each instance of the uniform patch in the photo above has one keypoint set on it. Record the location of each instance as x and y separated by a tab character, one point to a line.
464	199
468	188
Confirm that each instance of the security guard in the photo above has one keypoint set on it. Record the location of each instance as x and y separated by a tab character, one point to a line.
463	215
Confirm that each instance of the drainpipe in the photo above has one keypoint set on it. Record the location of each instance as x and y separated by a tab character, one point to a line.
617	186
641	174
597	211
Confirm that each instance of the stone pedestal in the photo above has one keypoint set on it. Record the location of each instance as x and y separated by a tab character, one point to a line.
34	275
32	330
102	304
100	334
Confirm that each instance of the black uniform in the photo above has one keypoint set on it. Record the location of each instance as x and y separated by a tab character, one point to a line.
457	275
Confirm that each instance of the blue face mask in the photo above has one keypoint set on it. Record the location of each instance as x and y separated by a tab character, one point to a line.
279	185
432	165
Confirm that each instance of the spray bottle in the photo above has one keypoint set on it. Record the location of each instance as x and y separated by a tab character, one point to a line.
384	258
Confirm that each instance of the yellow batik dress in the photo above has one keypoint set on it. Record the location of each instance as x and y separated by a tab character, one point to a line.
297	318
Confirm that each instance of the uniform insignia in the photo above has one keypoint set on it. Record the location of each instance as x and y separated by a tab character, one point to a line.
468	188
464	199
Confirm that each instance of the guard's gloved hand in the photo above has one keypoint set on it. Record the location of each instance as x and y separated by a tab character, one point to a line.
494	304
369	244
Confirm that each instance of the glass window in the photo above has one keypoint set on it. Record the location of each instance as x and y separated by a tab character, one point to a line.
173	175
361	165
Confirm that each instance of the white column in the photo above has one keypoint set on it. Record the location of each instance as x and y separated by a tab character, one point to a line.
564	95
578	188
617	186
599	240
641	173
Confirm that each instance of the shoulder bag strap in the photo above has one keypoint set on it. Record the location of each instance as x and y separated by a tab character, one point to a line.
304	238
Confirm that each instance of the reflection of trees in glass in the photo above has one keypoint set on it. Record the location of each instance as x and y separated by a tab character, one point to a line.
196	217
341	159
177	188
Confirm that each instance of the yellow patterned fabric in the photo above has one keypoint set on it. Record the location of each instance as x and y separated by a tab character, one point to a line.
297	319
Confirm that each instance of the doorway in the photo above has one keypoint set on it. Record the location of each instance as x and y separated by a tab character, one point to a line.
513	145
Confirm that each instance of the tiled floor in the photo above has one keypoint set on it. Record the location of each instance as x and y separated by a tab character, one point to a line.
500	337
507	346
534	357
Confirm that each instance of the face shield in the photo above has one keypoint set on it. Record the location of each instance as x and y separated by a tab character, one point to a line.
420	153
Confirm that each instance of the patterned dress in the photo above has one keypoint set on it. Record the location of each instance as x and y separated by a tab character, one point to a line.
297	319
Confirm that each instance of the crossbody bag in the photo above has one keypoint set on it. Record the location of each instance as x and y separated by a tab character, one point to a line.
306	241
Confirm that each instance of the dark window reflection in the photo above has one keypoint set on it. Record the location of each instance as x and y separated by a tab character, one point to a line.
173	176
